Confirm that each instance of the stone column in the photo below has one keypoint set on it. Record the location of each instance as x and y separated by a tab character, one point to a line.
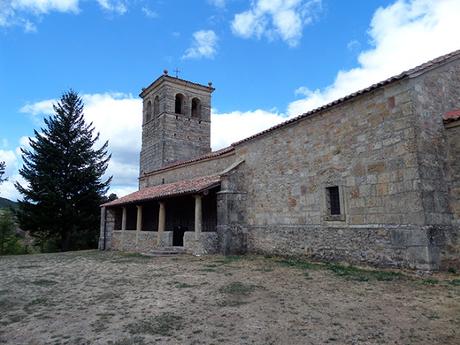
123	219
198	216
161	222
102	233
123	227
138	222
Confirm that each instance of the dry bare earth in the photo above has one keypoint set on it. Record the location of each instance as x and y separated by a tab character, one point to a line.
113	298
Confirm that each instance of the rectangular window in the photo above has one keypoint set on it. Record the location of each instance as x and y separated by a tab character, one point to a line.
333	200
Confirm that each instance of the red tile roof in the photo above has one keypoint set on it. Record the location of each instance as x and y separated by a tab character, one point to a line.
451	116
209	155
191	186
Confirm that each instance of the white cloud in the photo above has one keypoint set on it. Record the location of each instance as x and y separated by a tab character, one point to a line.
284	19
43	107
226	128
45	6
22	12
116	6
204	45
15	12
404	34
353	45
218	3
149	13
7	189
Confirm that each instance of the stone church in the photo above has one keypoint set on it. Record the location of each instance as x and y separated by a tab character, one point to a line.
373	177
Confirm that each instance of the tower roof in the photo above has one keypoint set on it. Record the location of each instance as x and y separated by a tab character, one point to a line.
175	80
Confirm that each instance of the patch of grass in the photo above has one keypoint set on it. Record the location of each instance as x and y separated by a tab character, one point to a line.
433	316
230	259
38	302
6	304
348	272
180	285
231	303
106	296
101	324
207	270
183	286
44	282
238	288
429	281
455	282
164	324
307	276
129	341
263	269
298	263
358	274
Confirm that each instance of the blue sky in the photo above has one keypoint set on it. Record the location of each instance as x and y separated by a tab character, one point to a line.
268	60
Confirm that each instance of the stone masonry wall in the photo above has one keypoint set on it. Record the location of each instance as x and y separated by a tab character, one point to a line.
453	149
169	137
436	92
201	168
139	241
367	147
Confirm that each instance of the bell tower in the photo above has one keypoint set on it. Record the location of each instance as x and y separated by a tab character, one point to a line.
176	122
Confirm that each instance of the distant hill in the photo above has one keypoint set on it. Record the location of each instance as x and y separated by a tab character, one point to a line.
6	203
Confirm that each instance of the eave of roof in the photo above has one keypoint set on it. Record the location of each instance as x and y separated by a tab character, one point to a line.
451	116
162	191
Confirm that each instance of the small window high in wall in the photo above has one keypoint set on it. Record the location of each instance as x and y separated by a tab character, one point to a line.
148	112
333	200
196	107
334	208
179	108
156	106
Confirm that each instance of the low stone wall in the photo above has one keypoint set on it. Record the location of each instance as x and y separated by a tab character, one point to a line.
146	241
142	241
402	246
166	239
207	243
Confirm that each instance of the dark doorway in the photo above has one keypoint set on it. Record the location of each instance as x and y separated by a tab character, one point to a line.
178	235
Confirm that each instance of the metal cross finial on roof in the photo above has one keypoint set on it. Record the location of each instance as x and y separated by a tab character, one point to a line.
177	71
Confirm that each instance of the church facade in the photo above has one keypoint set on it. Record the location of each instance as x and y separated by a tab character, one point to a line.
371	178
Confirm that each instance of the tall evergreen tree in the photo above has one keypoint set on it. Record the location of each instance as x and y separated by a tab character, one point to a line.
2	172
64	174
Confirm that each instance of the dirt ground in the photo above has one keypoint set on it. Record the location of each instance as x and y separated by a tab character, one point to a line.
112	298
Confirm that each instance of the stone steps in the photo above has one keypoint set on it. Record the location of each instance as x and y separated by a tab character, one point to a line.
165	251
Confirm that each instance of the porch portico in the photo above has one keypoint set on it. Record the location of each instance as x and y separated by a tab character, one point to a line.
181	214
